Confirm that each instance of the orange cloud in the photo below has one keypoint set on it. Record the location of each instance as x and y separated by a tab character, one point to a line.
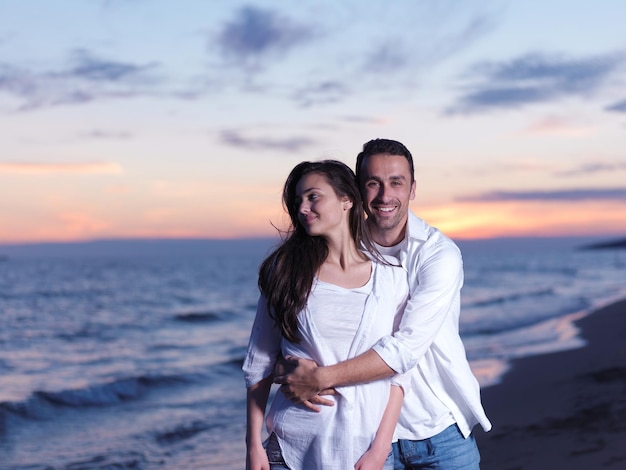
81	225
46	226
536	218
37	168
247	215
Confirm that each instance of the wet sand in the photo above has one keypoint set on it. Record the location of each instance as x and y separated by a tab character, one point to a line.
564	410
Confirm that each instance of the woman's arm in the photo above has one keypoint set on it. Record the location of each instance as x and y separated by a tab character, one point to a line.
375	457
256	458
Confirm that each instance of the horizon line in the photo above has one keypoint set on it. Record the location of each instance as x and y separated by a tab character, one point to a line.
275	237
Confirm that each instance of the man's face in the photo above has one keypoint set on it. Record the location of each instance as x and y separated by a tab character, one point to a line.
387	189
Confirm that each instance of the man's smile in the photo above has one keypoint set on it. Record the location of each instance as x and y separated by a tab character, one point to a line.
385	209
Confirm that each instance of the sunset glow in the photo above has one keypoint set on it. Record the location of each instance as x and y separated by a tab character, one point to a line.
186	125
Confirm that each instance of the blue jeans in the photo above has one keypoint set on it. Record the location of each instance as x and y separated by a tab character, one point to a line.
275	455
448	450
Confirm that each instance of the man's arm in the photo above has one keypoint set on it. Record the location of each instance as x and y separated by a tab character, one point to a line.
432	301
435	302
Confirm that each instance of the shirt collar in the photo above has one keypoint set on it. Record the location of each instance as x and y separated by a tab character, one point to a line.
416	228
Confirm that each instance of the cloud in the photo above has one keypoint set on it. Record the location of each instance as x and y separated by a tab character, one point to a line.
591	168
533	78
90	68
618	194
258	33
84	79
321	93
390	55
236	139
60	168
255	38
427	45
619	107
16	81
558	126
476	28
378	121
77	225
106	135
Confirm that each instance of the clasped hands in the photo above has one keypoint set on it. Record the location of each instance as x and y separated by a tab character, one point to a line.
301	382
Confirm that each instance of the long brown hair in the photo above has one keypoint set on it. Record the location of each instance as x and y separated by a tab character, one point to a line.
286	275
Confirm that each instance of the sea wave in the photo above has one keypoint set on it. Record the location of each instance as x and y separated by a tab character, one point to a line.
43	404
181	432
199	317
114	460
40	404
508	321
509	298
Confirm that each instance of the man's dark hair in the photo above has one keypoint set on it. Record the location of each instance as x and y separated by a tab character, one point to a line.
386	147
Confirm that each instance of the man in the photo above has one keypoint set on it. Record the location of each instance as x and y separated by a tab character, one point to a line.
442	404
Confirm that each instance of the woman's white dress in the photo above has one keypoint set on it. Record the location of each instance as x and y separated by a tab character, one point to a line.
337	324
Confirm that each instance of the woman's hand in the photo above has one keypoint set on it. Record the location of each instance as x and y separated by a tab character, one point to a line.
373	459
256	401
376	455
256	458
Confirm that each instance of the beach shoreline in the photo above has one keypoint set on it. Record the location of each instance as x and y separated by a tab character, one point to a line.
565	409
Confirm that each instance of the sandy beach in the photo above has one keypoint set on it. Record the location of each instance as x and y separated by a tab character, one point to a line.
564	410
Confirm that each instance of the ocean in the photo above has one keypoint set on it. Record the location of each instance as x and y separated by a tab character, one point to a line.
128	356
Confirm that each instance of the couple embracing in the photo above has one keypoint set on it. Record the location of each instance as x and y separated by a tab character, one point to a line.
365	312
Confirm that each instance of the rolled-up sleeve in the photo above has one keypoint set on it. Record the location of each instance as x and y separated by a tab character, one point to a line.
402	380
436	278
263	347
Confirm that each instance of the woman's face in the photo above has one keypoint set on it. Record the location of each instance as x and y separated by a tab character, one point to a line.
320	211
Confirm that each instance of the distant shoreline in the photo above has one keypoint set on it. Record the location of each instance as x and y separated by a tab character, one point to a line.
605	245
191	246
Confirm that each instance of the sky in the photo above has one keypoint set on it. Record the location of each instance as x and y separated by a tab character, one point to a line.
161	119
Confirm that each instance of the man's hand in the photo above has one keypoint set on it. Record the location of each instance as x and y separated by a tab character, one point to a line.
300	382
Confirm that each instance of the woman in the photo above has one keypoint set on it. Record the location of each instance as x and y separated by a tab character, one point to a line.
324	299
